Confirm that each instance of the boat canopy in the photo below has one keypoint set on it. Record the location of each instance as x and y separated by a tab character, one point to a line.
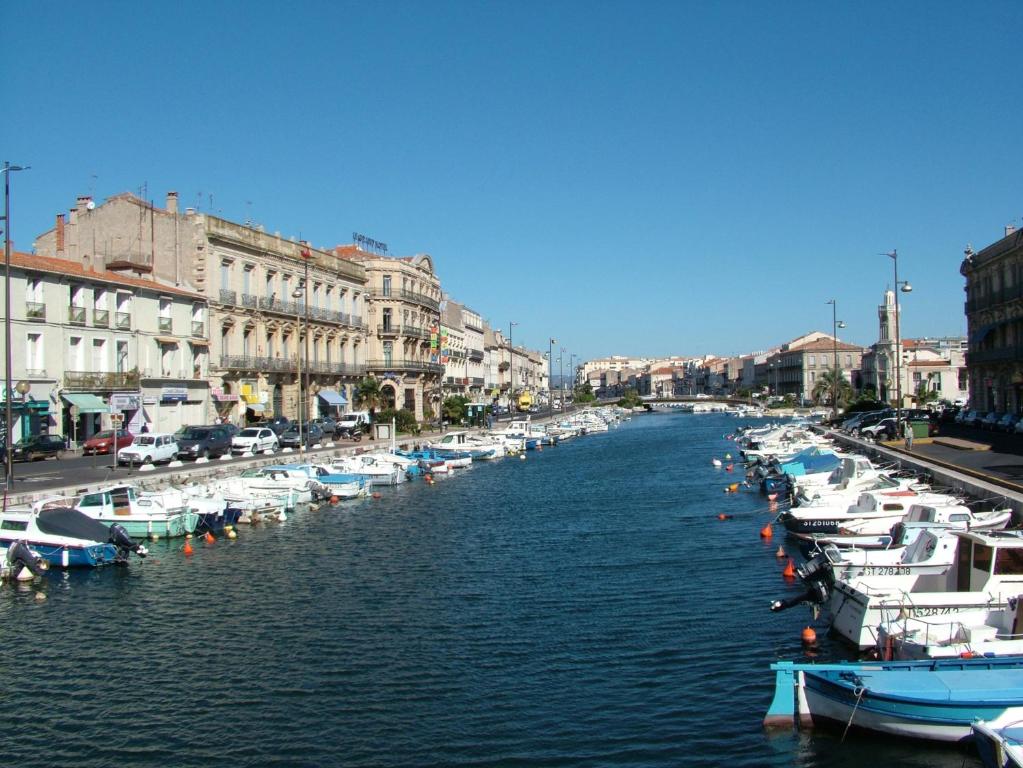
64	521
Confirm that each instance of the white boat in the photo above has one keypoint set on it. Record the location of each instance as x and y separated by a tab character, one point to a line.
467	442
873	513
986	576
374	469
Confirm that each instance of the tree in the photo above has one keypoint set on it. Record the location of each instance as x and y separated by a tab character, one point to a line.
368	395
453	408
584	393
630	399
925	395
824	389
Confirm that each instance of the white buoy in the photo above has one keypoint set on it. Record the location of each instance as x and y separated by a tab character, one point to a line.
40	597
282	516
25	575
232	535
522	456
156	536
716	462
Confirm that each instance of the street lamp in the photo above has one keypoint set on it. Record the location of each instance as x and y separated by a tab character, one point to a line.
835	325
8	458
905	287
550	379
561	378
571	372
297	294
511	363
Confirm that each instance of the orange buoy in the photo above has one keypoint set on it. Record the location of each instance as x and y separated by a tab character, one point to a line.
808	636
766	532
728	468
723	516
772	497
780	553
376	495
334	499
967	655
790	570
733	487
210	538
188	547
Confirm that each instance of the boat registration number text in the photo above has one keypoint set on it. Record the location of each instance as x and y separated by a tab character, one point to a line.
885	570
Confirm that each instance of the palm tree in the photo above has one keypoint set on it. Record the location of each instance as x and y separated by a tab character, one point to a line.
824	387
368	395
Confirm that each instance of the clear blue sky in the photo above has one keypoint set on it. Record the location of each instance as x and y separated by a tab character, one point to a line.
631	178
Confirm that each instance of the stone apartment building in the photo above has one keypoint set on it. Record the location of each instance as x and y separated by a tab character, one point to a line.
796	366
994	316
88	343
286	329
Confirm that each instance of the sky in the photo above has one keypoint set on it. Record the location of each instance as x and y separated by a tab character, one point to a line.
642	179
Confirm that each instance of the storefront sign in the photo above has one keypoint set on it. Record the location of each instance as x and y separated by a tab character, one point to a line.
221	397
122	402
173	394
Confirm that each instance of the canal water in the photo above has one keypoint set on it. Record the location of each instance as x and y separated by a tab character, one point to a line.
583	607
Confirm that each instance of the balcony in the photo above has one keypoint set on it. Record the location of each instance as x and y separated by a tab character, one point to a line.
228	297
122	321
476	381
36	373
415	332
388	330
85	381
199	328
166	325
342	369
76	315
1010	353
420	298
476	355
249	301
398	364
101	318
267	364
35	311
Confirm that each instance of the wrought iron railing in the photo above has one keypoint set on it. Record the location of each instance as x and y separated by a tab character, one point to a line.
249	300
247	363
35	311
76	315
997	355
476	380
101	318
400	364
344	369
420	298
228	297
476	355
122	321
35	373
89	381
166	325
198	328
415	331
387	329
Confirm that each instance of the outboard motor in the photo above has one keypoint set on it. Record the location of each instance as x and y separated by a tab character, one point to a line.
125	544
20	558
819	578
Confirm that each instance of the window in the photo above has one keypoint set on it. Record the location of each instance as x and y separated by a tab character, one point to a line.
247	342
99	356
167	359
387	319
225	275
315	300
121	356
271	279
848	361
225	340
811	360
247	278
388	352
75	360
34	353
387	286
270	345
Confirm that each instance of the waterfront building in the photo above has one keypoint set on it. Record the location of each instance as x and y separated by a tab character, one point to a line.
454	356
87	343
404	334
994	316
796	366
280	311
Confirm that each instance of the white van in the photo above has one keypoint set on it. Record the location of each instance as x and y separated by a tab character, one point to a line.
356	421
149	448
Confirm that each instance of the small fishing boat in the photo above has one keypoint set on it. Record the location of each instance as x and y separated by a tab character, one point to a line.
999	747
934	700
142	514
65	537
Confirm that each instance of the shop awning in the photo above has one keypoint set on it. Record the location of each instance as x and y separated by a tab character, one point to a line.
257	407
86	403
332	397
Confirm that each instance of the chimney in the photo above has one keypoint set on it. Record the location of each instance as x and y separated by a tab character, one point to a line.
83	203
60	234
1009	229
172	202
72	217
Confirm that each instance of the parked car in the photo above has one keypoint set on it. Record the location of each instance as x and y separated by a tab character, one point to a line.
989	420
150	448
965	417
310	435
211	442
38	447
327	424
104	442
1007	423
885	429
254	440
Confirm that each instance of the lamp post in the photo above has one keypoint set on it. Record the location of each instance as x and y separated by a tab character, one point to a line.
550	379
571	372
835	325
905	287
511	368
297	294
8	459
561	377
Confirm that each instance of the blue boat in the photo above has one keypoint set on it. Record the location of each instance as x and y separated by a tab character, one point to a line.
999	747
67	538
810	461
936	700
